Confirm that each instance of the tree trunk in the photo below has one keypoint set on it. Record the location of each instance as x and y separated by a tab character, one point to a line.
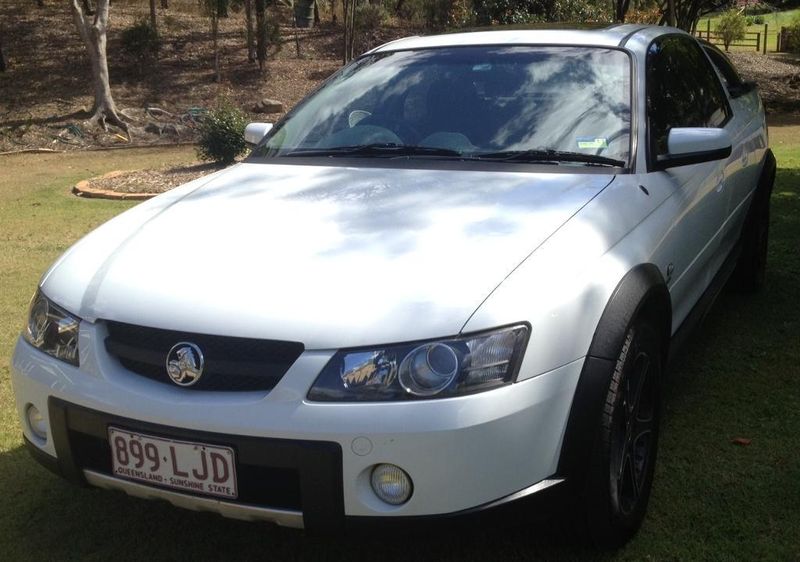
671	13
2	56
345	4
261	32
251	40
352	29
215	40
621	9
93	33
153	19
296	35
349	8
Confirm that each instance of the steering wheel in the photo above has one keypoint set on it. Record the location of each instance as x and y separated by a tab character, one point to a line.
402	129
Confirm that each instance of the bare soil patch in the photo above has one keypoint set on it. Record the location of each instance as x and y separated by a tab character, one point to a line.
152	181
778	78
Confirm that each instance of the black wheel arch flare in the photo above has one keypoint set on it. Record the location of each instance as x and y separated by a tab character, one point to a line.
642	291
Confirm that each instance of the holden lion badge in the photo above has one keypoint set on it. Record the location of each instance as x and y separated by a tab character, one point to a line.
185	364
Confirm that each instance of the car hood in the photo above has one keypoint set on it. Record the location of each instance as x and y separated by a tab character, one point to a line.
328	256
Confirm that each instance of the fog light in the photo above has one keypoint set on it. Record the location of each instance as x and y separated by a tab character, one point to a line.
36	422
391	484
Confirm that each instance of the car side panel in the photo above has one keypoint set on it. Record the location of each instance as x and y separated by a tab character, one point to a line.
743	168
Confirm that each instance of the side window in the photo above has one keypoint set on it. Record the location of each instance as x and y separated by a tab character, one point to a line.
682	90
729	75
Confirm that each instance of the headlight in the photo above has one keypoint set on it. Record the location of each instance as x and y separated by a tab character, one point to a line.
52	329
440	368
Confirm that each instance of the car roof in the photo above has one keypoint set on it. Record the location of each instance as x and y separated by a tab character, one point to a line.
610	36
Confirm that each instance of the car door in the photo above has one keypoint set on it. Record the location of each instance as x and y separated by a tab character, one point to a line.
747	131
683	91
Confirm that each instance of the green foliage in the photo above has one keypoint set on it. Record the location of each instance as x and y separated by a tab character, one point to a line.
436	13
537	11
759	8
792	36
222	134
370	16
412	10
453	14
140	43
758	20
731	27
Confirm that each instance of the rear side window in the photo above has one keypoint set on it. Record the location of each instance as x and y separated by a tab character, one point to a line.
682	90
726	70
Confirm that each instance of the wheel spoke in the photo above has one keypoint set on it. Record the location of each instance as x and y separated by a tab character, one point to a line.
636	421
635	480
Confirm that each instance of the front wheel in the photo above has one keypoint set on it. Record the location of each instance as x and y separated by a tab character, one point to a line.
750	274
752	267
624	454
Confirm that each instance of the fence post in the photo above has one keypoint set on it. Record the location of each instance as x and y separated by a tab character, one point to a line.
765	38
708	30
758	41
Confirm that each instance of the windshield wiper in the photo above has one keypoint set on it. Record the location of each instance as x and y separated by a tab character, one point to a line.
552	156
377	149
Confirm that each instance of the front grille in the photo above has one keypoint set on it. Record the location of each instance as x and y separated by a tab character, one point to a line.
231	364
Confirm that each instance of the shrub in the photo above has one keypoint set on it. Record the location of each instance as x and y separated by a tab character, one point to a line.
436	13
792	36
370	16
731	27
222	134
448	14
538	11
758	20
410	11
140	43
650	15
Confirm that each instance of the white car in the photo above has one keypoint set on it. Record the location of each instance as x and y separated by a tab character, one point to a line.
449	280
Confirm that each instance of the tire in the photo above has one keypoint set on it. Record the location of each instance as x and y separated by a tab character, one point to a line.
620	473
751	269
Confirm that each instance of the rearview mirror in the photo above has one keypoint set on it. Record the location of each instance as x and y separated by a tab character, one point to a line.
254	132
693	145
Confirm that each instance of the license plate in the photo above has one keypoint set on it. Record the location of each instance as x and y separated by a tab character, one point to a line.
193	467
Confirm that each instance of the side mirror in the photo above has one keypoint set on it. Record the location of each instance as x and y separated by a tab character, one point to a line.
254	132
693	145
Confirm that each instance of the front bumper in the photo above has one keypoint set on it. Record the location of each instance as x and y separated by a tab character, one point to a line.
463	453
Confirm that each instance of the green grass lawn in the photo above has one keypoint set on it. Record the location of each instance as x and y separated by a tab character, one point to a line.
712	499
774	21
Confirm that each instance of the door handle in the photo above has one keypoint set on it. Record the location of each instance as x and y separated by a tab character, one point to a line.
720	180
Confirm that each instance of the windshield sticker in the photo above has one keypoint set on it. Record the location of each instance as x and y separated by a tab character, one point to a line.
592	142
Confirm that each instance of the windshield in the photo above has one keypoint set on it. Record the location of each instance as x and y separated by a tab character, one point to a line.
513	103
